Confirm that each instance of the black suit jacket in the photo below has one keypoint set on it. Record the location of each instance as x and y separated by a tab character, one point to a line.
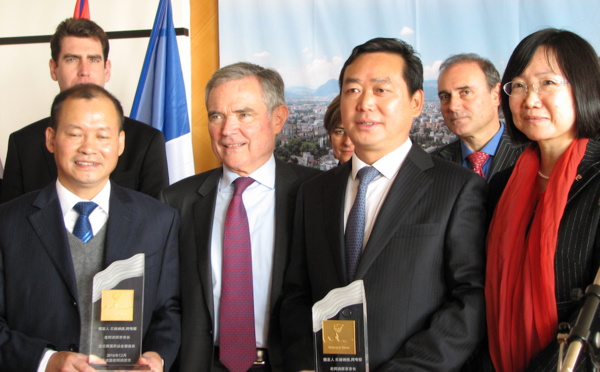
38	289
422	266
577	257
506	154
195	197
30	166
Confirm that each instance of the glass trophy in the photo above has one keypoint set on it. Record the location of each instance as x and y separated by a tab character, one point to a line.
117	315
340	330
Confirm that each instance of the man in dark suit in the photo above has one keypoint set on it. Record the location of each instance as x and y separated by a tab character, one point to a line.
47	265
420	251
246	109
469	93
80	55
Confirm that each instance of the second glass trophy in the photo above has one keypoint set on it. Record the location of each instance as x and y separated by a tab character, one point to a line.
340	330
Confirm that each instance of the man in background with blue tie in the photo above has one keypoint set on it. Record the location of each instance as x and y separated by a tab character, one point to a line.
410	226
236	228
53	241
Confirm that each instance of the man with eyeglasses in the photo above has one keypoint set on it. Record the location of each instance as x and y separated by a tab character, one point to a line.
469	93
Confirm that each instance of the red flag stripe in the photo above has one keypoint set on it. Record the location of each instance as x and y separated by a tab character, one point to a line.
82	9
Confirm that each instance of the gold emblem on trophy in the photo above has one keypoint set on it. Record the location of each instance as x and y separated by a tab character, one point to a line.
117	305
339	337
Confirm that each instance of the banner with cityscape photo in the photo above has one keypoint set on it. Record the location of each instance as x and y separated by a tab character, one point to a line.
307	41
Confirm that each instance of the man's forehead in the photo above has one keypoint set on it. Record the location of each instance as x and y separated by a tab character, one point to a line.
381	66
465	69
95	105
77	45
236	95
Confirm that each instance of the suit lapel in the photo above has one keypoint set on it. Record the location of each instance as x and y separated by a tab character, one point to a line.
284	205
588	170
48	224
334	196
501	154
118	235
203	212
410	185
505	156
452	152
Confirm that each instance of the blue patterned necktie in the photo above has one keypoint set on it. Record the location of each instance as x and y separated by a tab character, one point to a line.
355	226
236	314
83	228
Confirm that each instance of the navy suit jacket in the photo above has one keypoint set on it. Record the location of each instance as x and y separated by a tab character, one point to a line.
506	154
195	198
422	266
30	166
38	289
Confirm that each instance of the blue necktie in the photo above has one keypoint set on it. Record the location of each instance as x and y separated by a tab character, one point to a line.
83	228
355	226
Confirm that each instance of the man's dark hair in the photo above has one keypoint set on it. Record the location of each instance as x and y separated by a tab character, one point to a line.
78	27
84	91
413	70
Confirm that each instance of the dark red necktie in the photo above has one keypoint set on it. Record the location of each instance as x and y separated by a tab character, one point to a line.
237	337
477	160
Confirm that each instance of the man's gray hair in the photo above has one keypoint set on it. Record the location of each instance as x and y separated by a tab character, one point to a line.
270	80
491	74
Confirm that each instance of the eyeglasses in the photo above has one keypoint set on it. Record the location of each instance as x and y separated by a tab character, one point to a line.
516	88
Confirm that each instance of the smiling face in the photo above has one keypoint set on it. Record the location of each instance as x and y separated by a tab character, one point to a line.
468	105
377	108
80	61
548	118
86	144
242	131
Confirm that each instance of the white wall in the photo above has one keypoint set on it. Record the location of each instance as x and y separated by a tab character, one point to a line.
26	89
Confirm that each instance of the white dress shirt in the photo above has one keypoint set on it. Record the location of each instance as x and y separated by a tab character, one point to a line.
388	167
99	215
259	201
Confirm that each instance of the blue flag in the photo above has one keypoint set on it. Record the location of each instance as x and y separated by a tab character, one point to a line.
160	99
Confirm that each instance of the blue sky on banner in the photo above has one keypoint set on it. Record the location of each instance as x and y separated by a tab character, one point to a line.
307	41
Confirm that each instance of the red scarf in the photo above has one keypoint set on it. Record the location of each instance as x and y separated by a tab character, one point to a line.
520	285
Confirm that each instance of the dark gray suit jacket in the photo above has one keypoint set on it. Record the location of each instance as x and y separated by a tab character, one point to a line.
38	289
506	154
422	266
195	198
30	166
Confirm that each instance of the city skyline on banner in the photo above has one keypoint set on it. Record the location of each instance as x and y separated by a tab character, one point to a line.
307	42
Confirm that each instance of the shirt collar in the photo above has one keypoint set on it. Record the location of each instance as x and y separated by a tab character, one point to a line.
265	175
388	165
68	200
490	148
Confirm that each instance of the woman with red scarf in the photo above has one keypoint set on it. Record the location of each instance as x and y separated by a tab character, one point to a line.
543	239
